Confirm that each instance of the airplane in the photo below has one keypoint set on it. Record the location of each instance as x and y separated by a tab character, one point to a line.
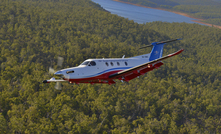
107	70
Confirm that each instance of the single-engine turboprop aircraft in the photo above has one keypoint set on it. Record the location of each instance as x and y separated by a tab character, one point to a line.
107	70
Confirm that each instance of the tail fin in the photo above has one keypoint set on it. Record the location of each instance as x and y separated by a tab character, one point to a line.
157	51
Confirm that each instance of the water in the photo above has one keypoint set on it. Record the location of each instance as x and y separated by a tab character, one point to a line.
141	14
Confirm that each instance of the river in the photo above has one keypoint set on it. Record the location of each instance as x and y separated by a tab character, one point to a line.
141	14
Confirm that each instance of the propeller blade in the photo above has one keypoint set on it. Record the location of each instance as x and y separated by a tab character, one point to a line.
51	70
60	61
58	86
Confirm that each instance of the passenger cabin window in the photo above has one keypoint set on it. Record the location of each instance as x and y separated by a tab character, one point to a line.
68	72
118	63
126	63
111	64
106	64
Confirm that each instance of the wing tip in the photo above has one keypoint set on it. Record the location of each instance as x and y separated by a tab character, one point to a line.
180	51
176	53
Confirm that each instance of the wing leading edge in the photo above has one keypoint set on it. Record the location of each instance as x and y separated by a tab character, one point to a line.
141	69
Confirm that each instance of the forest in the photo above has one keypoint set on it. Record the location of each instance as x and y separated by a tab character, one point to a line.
182	96
208	11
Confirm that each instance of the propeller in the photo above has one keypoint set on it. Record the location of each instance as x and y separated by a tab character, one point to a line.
60	61
162	42
59	64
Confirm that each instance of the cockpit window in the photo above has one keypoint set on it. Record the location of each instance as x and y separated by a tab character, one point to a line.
68	72
89	63
85	63
93	63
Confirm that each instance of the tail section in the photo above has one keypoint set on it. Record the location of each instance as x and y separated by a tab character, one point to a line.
157	51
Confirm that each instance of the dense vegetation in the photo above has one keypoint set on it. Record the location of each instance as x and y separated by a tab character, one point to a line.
183	96
208	10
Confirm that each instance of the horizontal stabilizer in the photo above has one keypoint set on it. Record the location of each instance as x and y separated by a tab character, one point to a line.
157	43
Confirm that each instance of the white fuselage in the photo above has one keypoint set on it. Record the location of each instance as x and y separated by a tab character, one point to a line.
93	68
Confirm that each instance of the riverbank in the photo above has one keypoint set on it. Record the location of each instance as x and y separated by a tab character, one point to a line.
180	13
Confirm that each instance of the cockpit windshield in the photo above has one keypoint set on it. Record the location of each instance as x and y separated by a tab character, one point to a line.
89	63
85	63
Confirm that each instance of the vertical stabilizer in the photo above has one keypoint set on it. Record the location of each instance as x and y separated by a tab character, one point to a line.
157	51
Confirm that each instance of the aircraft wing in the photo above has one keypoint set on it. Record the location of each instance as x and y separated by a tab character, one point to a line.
141	69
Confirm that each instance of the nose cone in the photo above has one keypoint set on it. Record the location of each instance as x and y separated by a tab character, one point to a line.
59	73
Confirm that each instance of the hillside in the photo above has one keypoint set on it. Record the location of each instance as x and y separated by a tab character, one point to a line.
209	11
182	96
